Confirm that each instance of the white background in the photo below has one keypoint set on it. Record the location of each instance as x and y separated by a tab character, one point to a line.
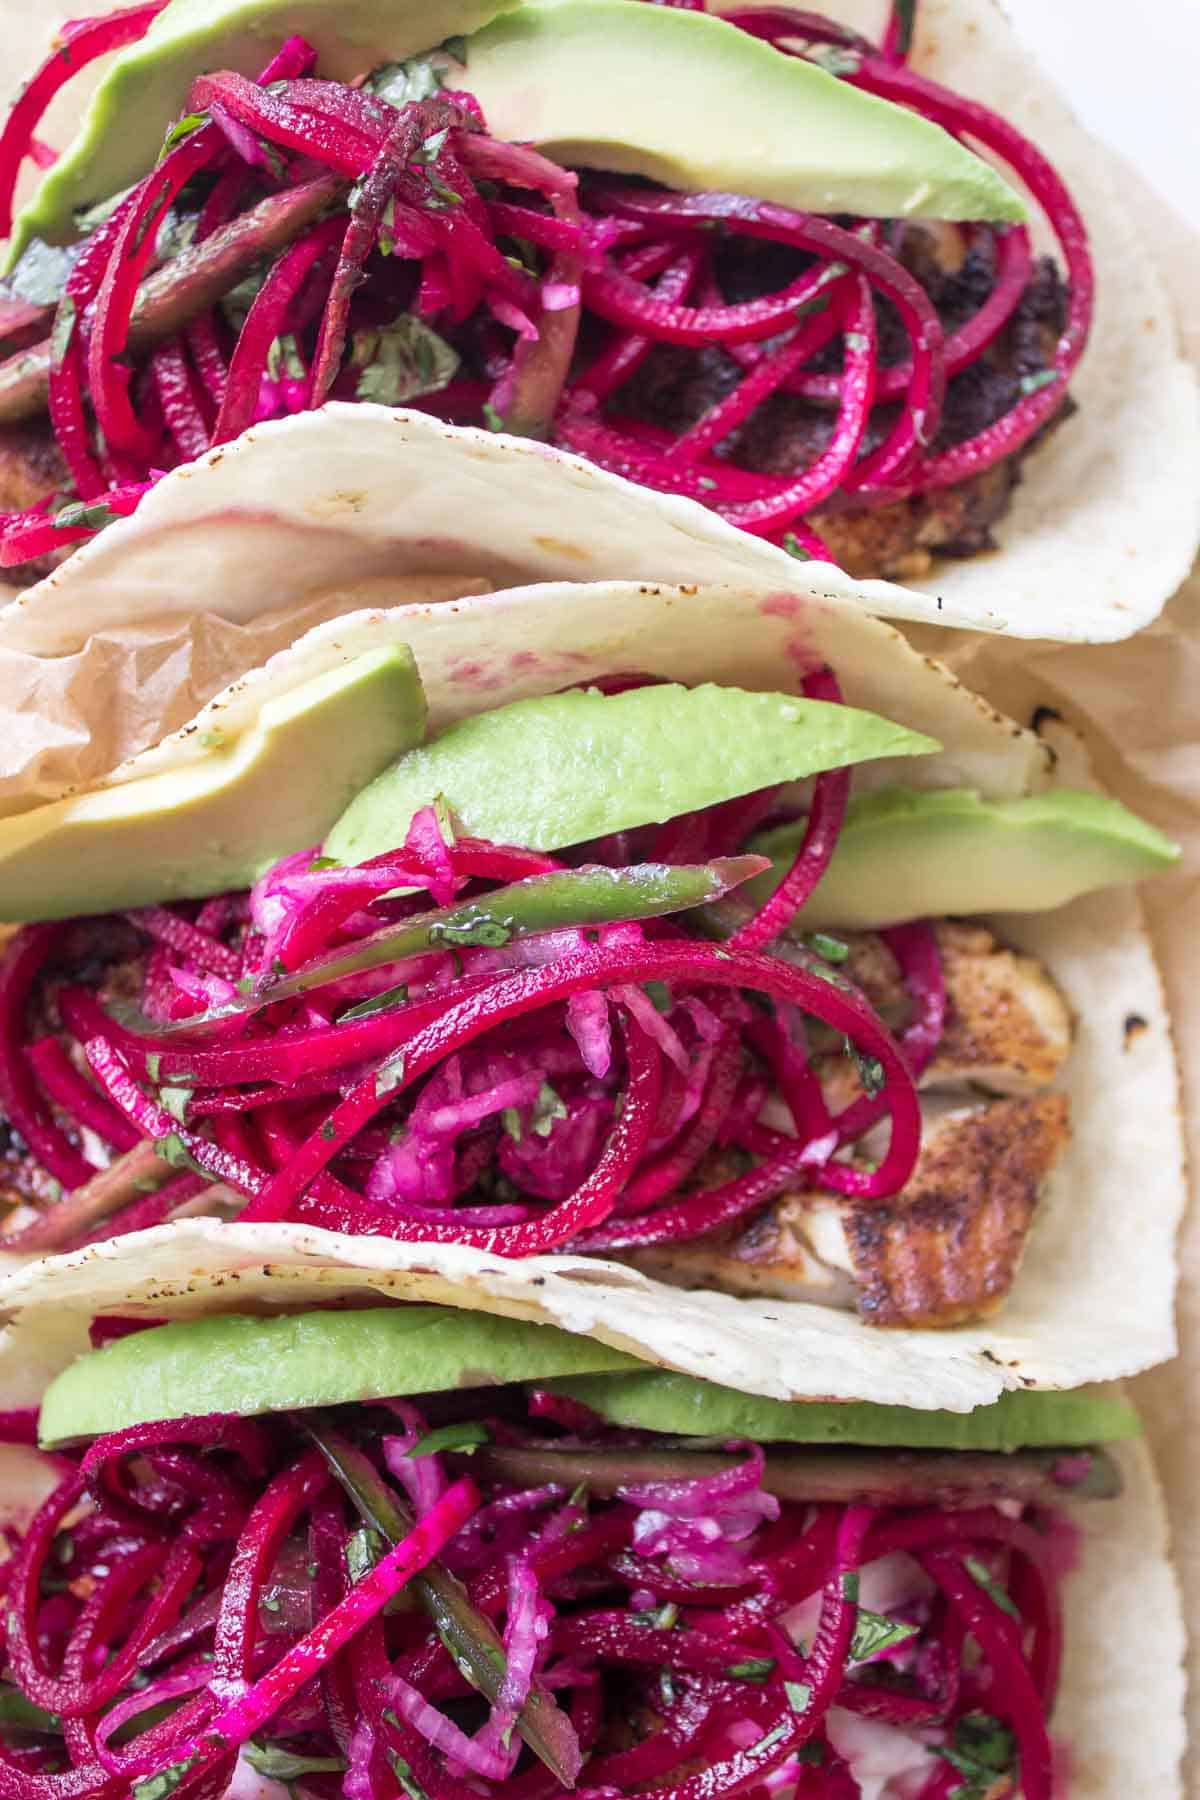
1131	69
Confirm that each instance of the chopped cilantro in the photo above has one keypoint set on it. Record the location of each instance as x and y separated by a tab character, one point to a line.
363	1552
791	543
399	83
476	930
279	1764
995	1593
366	1009
63	331
431	147
772	1738
182	128
19	1714
153	1065
175	1100
389	1075
982	1750
548	1108
93	515
834	59
173	1150
850	1586
873	1633
42	273
831	948
659	995
401	361
406	1778
755	1668
319	864
510	1119
328	1131
466	1437
283	358
491	417
1033	384
870	1070
658	1618
157	1787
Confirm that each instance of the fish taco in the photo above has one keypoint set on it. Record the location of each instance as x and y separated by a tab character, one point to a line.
426	1552
718	978
806	276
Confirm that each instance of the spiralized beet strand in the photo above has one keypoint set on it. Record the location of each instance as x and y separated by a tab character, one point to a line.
192	1584
470	277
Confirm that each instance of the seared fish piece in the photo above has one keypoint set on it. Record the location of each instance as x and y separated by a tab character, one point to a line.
945	1250
1008	1027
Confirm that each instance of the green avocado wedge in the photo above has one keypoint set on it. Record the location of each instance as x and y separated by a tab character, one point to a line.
678	1405
235	1363
614	84
568	768
910	854
689	100
218	821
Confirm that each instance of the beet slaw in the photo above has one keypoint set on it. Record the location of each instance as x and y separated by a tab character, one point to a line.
561	1054
199	1589
475	279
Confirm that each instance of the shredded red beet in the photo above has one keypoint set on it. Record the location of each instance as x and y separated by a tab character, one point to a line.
471	277
199	1591
553	1057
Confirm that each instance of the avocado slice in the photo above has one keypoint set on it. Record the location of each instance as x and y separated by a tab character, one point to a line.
615	84
235	1363
910	854
239	1364
679	1405
691	101
219	821
566	768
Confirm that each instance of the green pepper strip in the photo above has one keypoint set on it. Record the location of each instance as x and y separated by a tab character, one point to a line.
819	1474
568	897
472	1640
185	287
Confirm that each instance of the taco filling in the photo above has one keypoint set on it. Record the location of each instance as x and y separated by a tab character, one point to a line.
622	970
512	1589
853	383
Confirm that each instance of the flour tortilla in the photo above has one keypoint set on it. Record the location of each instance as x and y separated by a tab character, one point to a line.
1118	1725
1103	529
1093	1299
80	697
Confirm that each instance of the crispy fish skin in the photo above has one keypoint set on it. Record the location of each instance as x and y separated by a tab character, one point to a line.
944	1251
